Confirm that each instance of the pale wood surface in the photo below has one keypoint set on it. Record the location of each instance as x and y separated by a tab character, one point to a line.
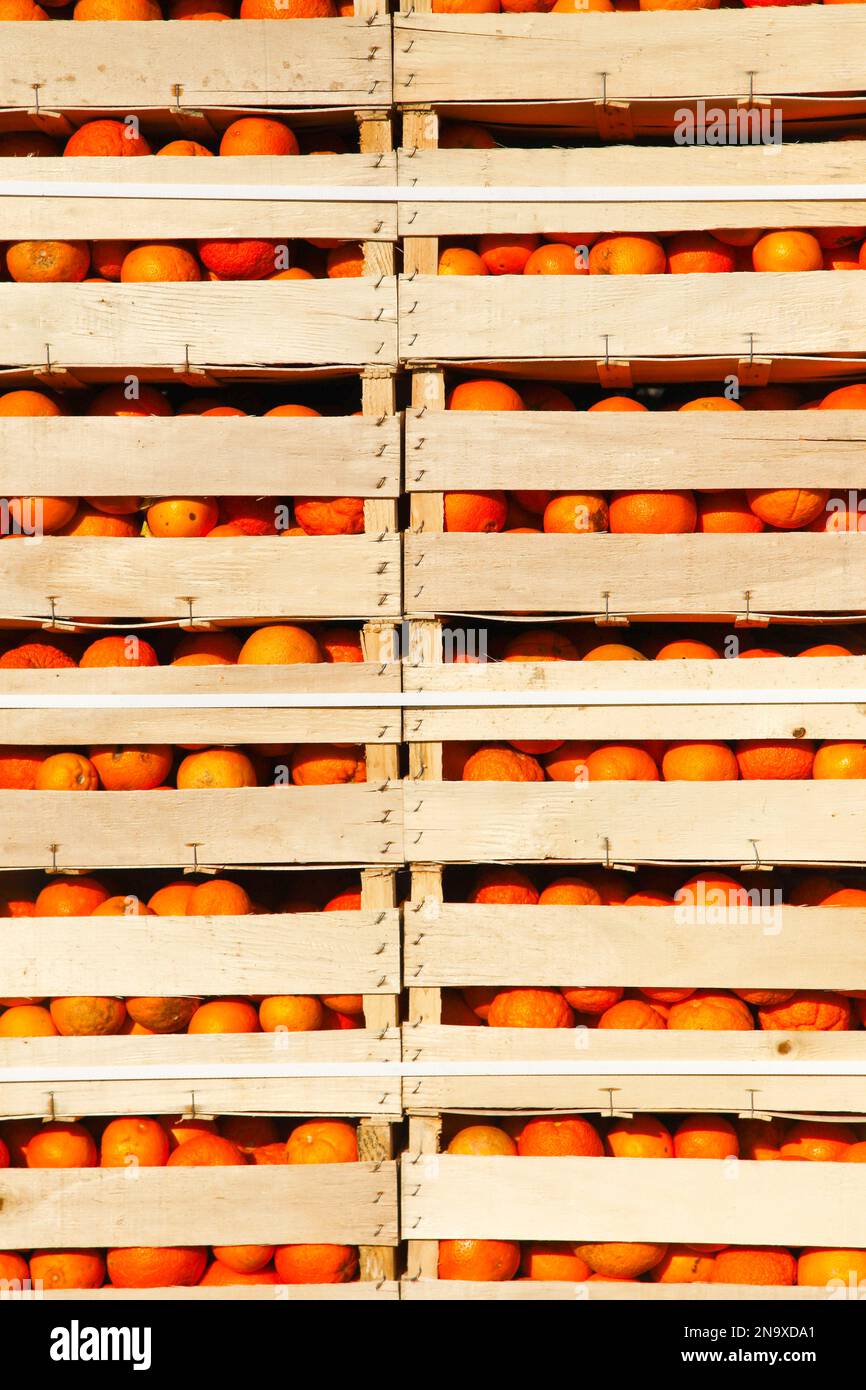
224	683
241	577
358	824
762	947
538	1291
797	572
334	1203
359	1292
587	451
456	318
740	823
250	64
209	323
450	58
125	725
282	953
585	1199
78	456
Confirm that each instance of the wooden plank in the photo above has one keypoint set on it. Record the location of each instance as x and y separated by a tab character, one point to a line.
354	1203
587	450
613	681
445	1197
514	58
615	723
360	1292
798	572
250	197
538	1291
280	953
238	579
181	683
692	169
762	945
626	822
124	725
77	456
162	65
454	318
619	1093
209	323
255	825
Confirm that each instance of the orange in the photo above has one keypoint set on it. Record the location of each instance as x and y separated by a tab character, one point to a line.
624	762
220	1274
846	897
330	516
216	767
632	1013
35	656
182	516
326	764
790	250
75	896
87	1016
627	255
340	644
837	759
133	1142
315	1264
185	149
244	1259
484	395
90	521
218	897
279	645
705	1136
14	1269
484	1141
27	1021
258	135
825	1268
21	10
345	261
808	1011
653	513
291	1013
47	262
774	759
207	1151
754	1264
182	1131
143	400
530	1008
760	1140
67	1269
70	772
818	1143
61	1144
29	403
713	1010
117	139
505	254
459	260
683	1265
570	891
486	1261
159	261
643	1136
616	403
764	996
172	899
207	649
613	651
538	395
787	508
560	1136
132	769
687	649
554	259
553	1260
855	1153
323	1141
726	511
255	516
475	511
697	253
620	1259
122	905
19	768
507	886
237	258
146	1267
540	644
592	1000
495	763
580	512
699	762
845	398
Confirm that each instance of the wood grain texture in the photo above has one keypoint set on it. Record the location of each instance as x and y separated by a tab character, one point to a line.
351	1203
512	58
281	953
254	64
538	1291
456	318
75	685
208	323
358	824
125	725
240	578
587	451
653	1199
628	822
252	457
359	1292
797	572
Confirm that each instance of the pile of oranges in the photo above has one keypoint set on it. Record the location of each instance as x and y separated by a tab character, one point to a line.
580	643
272	644
250	135
173	1266
175	9
640	253
208	258
596	6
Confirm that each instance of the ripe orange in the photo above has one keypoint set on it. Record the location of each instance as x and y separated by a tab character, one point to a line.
26	1021
553	1260
790	509
627	255
726	511
330	516
754	1264
828	1268
118	651
570	891
687	649
478	1260
760	1140
207	649
653	513
133	1142
705	1136
238	258
808	1011
182	516
529	1008
576	513
218	897
243	1259
67	1269
280	644
836	759
315	1264
698	253
816	1142
225	1016
146	1267
791	250
484	1141
258	135
560	1136
632	1013
326	764
699	762
87	1016
159	261
132	769
554	259
496	763
323	1141
291	1013
207	1151
61	1144
67	772
187	149
643	1136
142	400
75	896
540	644
683	1265
622	1259
845	398
216	767
616	403
713	1010
503	886
775	759
505	254
47	262
30	403
623	762
460	260
592	1000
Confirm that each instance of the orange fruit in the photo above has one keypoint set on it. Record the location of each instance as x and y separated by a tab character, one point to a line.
627	255
772	398
67	1269
539	395
323	1141
243	1259
161	1015
632	1013
475	511
554	259
560	1136
122	905
70	772
216	767
754	1264
705	1136
818	1143
464	135
225	1016
142	400
460	260
530	1008
495	763
486	1261
330	516
622	1259
837	759
698	253
826	1268
616	403
159	261
280	644
182	516
146	1267
291	1013
726	511
29	144
506	254
249	1133
507	886
687	649
775	759
207	649
326	764
846	897
35	656
238	258
553	1261
87	1016
789	250
790	509
186	149
14	1269
118	651
220	1274
808	1011
133	1142
613	651
643	1136
207	1151
570	891
571	513
29	403
47	262
845	398
340	644
713	1010
653	513
315	1264
760	1140
683	1265
540	644
26	1021
132	769
483	1141
262	135
218	897
73	896
623	762
699	762
61	1144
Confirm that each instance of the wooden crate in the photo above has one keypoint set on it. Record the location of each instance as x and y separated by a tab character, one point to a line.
168	65
687	1200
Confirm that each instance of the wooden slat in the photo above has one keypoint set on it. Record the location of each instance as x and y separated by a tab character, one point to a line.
734	822
513	58
123	725
628	680
209	323
653	1199
282	953
256	825
78	456
239	578
141	212
361	1291
353	1203
456	318
537	1291
605	451
168	65
181	683
692	168
761	946
798	572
